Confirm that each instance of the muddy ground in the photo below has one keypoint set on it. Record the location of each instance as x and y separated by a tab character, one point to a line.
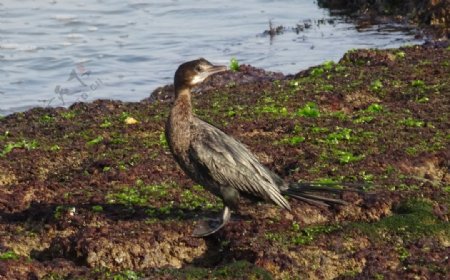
91	192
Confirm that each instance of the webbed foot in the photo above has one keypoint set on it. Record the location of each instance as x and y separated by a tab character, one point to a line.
210	226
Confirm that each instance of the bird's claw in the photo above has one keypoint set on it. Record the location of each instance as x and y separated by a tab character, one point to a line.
207	227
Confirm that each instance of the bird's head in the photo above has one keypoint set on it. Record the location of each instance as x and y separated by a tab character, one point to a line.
192	73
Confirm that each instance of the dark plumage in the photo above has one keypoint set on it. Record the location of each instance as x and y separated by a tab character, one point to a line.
217	161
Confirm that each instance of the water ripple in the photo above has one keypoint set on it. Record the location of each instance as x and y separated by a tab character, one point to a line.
134	46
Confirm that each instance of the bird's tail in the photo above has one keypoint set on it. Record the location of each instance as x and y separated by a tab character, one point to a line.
310	193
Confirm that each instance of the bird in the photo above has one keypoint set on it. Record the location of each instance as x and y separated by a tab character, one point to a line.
220	163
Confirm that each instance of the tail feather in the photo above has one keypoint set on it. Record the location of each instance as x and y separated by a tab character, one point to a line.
314	188
329	187
309	201
307	192
324	199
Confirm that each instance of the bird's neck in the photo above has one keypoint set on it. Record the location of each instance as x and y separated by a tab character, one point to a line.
182	108
180	119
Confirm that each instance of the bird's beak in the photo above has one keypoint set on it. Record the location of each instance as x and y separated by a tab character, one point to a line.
213	69
216	69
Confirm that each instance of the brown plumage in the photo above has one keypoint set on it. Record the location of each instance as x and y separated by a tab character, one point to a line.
220	163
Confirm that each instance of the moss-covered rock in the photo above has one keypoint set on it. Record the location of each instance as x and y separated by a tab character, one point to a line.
86	193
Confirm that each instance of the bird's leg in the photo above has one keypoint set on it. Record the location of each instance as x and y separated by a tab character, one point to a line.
208	227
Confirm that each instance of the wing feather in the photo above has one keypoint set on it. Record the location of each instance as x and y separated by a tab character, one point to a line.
230	163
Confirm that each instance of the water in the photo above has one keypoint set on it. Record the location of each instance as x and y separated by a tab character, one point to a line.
54	53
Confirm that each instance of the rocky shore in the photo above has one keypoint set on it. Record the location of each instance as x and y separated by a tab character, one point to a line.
432	16
92	192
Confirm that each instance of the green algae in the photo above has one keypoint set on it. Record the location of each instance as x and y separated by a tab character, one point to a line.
97	208
269	105
294	140
126	275
47	119
376	86
56	276
411	122
106	274
341	134
411	220
232	270
22	144
298	235
9	255
142	194
97	140
106	123
68	114
138	194
310	110
234	65
345	157
308	235
193	199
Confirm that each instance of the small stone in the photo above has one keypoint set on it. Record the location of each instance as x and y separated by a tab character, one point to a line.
131	120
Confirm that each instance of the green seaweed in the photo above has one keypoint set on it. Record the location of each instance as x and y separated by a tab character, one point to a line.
194	198
411	220
138	194
345	157
23	144
9	255
234	65
97	140
411	122
310	110
376	86
307	235
235	270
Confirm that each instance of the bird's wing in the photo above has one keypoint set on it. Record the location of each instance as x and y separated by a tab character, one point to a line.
230	163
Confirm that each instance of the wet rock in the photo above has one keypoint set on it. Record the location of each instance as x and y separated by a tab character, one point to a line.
135	250
433	15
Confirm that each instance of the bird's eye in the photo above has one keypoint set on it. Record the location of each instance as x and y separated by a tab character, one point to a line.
198	68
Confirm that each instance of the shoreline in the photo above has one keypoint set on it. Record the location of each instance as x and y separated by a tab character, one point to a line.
86	192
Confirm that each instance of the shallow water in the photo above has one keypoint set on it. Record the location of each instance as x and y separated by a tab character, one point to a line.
54	53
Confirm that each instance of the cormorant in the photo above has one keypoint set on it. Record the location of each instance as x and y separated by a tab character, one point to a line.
220	163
